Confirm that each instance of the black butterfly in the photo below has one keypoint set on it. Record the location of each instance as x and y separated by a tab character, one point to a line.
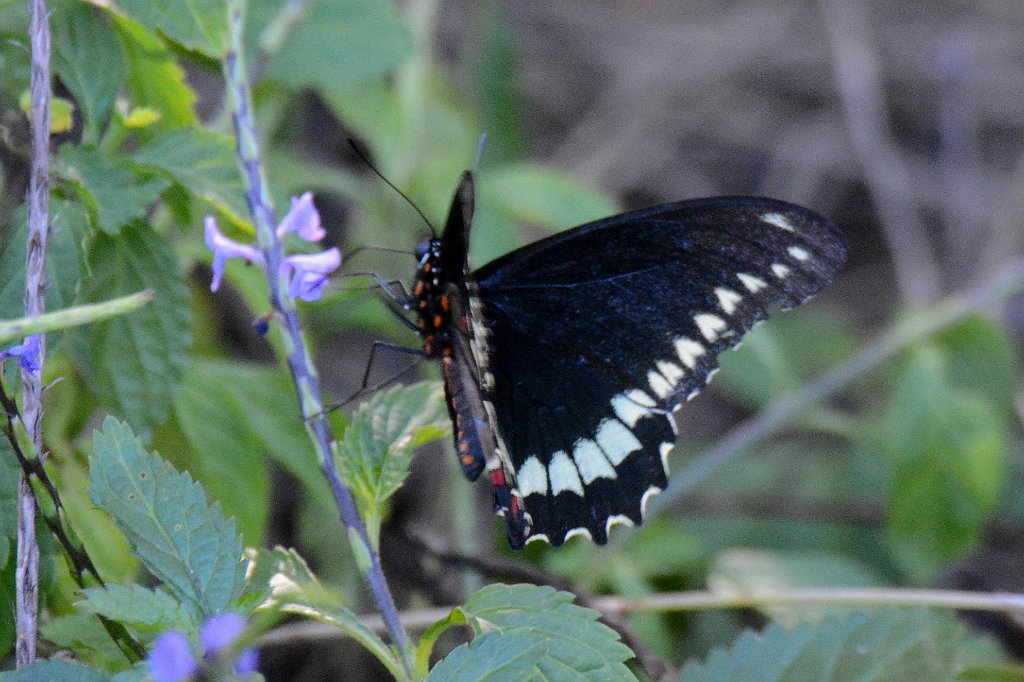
564	360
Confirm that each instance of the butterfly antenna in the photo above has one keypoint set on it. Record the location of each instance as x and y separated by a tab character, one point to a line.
479	152
366	160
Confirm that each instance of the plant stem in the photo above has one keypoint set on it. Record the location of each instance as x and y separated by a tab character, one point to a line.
27	566
300	363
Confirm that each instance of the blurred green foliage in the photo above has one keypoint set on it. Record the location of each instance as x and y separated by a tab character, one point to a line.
917	452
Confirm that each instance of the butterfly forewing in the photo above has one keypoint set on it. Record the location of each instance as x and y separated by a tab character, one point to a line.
598	333
563	360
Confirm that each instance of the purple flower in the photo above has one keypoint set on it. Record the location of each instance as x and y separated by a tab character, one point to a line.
307	273
220	631
224	248
27	354
302	219
171	659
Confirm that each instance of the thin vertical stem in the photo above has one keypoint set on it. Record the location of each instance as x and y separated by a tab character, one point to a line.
300	363
27	567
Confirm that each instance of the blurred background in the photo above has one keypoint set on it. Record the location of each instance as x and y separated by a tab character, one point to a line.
902	121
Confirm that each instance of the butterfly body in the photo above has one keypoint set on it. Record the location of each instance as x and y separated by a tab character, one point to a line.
563	360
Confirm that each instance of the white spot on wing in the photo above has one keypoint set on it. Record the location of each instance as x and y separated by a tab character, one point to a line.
539	537
666	450
591	462
615	520
780	270
629	410
616	440
753	284
799	253
581	532
688	351
671	371
709	325
778	220
711	375
532	477
651	492
659	384
727	299
563	475
693	394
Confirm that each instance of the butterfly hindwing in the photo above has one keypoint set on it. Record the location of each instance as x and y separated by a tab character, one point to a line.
596	334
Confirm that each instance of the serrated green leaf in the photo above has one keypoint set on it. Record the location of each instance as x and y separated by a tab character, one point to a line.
946	446
886	646
139	607
338	44
65	259
86	636
108	548
574	645
262	401
55	670
155	79
134	362
203	163
501	657
224	456
180	538
378	444
296	590
137	673
199	25
118	190
89	62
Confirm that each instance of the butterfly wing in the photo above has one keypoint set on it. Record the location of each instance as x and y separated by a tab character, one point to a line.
596	334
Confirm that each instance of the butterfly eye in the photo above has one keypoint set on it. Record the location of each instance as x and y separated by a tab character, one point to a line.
422	250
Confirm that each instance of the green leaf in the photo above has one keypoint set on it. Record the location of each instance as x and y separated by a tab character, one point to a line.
155	78
203	163
981	359
338	44
946	446
570	642
500	657
55	670
180	538
378	444
9	477
108	548
134	605
296	590
529	193
263	399
89	62
226	457
118	190
198	25
781	355
86	636
753	572
889	645
134	362
65	258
